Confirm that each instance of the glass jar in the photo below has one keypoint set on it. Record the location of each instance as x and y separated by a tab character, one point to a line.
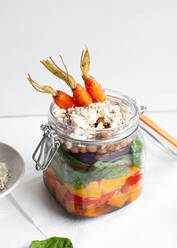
94	176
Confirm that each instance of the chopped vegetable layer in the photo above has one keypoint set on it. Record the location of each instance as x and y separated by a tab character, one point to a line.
97	188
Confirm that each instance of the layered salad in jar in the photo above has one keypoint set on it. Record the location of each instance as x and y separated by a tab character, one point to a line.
99	165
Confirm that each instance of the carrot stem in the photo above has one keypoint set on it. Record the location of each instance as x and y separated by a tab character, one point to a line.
85	64
80	95
58	72
43	89
62	99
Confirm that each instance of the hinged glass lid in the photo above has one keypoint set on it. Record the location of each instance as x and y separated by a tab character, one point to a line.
53	133
164	140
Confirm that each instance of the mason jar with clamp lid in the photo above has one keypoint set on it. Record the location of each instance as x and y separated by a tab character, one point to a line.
92	177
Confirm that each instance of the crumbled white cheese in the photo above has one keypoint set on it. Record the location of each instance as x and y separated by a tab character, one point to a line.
84	119
4	173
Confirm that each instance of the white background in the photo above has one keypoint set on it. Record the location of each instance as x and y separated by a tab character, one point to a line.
133	45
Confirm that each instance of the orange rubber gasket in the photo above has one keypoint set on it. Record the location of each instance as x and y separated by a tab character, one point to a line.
158	129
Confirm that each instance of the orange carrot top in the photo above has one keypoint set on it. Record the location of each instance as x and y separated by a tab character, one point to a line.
80	95
94	89
62	99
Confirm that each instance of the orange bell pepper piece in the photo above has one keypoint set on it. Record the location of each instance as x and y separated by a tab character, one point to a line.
118	199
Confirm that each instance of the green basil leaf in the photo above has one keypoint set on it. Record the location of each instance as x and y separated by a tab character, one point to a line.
136	150
126	159
137	159
67	175
54	242
117	172
136	146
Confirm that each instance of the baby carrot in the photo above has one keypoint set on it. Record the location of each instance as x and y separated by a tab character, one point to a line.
80	95
94	89
61	99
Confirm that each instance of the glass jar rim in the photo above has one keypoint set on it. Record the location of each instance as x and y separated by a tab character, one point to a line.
115	133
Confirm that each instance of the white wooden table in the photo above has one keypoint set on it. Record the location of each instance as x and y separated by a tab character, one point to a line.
31	213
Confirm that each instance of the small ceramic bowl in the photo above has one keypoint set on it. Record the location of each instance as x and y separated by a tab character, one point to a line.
15	164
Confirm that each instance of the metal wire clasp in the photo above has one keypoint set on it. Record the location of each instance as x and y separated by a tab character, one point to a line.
46	149
142	109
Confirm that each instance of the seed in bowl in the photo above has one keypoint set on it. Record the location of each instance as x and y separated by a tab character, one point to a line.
4	174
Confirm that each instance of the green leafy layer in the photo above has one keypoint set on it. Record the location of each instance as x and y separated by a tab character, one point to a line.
136	150
79	178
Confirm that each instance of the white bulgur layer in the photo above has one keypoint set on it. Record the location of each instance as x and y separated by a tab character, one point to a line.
84	119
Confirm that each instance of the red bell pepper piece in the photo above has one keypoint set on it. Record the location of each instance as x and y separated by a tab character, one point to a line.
88	200
131	181
105	198
79	200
